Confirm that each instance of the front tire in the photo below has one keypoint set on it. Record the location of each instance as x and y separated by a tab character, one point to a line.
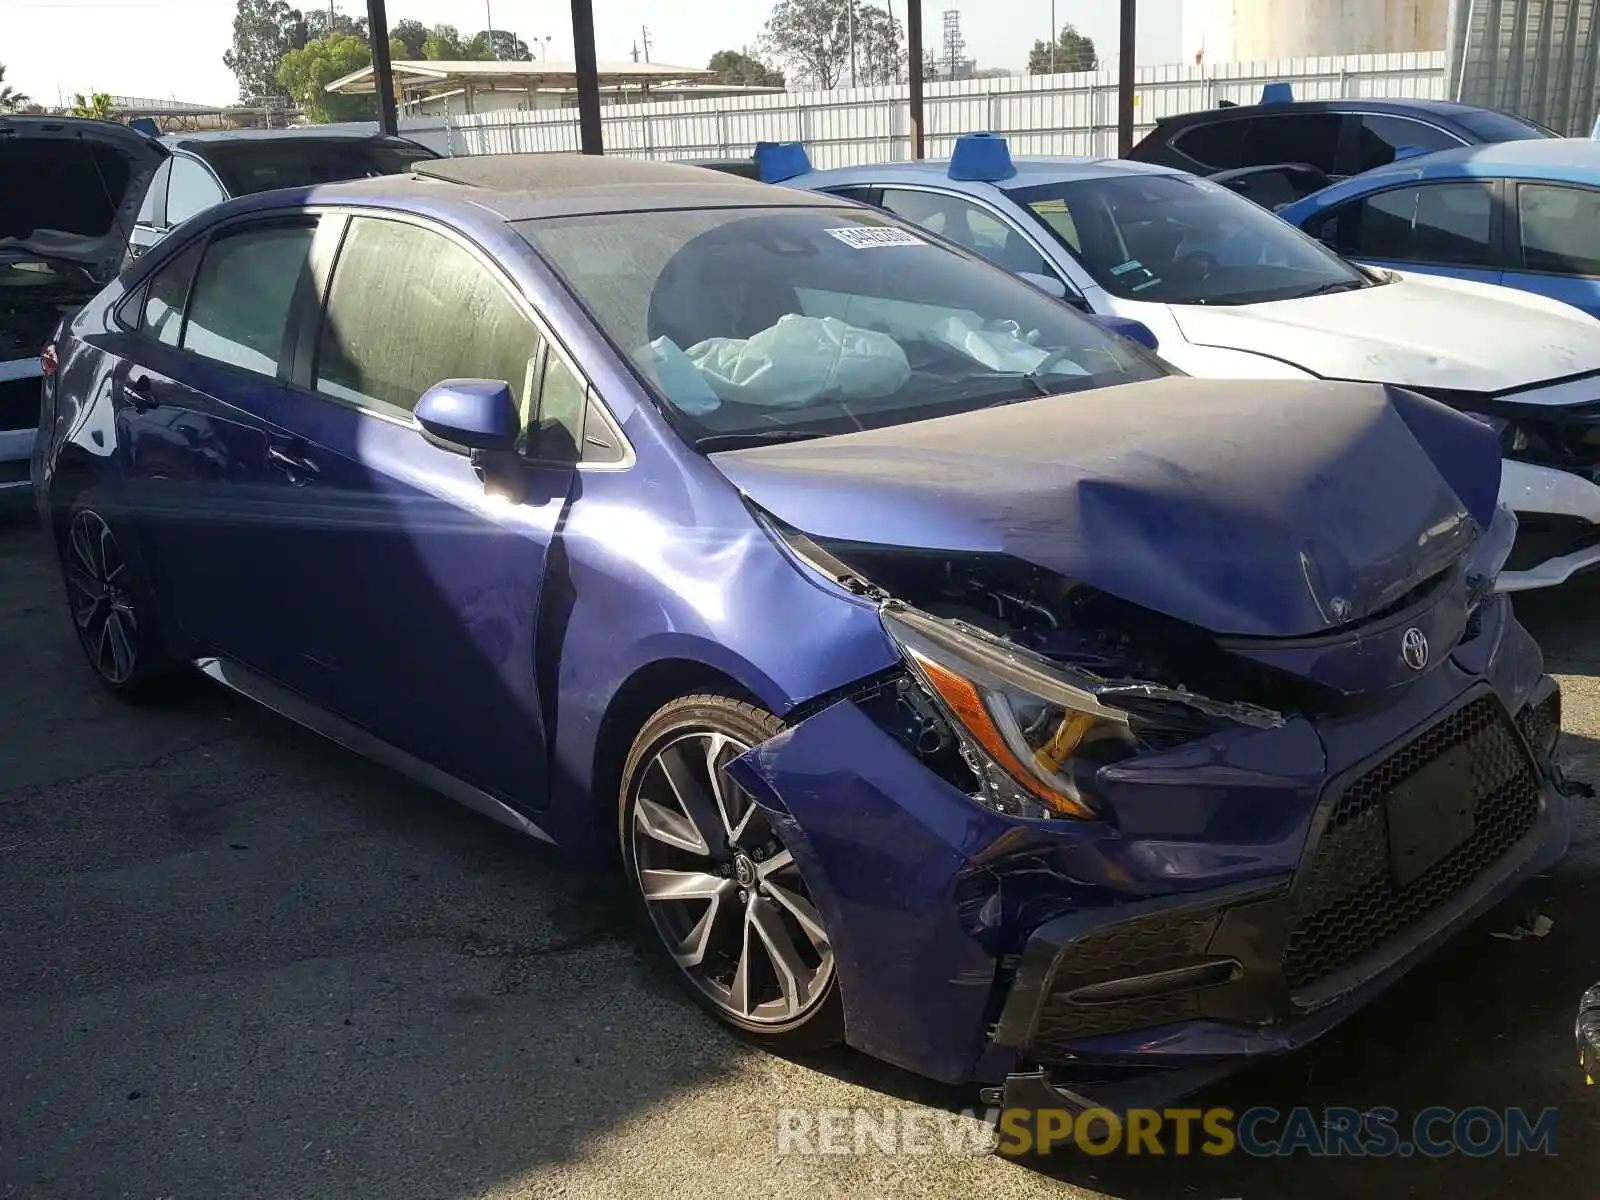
111	610
717	888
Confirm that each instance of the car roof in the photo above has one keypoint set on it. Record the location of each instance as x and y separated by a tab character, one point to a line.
517	187
1030	170
1576	160
201	141
1443	109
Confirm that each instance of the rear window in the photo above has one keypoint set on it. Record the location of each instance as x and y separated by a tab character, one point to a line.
1489	126
72	186
248	166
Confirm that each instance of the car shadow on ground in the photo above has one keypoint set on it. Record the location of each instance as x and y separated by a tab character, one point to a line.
245	962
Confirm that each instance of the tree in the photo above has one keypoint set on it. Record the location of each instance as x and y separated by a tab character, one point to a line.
11	100
507	46
97	106
879	48
811	37
1074	52
306	73
320	23
737	67
444	44
412	35
263	32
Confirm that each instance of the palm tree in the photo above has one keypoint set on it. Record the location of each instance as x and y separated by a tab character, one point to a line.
10	99
97	106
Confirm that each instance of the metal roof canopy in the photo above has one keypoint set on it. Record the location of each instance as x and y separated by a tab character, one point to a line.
512	76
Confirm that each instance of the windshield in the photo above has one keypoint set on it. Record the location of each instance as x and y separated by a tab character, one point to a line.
1176	239
755	325
260	165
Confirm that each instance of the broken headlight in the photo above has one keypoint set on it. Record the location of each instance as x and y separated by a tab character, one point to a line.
1033	738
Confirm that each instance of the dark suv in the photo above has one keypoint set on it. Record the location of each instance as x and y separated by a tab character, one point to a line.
1336	138
208	168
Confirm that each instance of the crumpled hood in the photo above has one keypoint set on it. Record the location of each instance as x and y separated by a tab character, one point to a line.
73	189
1271	509
1419	331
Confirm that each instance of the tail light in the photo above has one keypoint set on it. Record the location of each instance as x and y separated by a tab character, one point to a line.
47	360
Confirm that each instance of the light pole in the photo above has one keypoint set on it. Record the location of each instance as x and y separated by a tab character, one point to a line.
1055	36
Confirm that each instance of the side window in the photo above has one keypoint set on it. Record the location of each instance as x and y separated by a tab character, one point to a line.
239	310
968	225
556	432
862	195
1379	137
1293	138
162	319
1436	223
155	197
1559	228
408	308
190	191
1218	145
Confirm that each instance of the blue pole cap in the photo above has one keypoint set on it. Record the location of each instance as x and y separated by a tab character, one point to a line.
1277	93
777	161
981	156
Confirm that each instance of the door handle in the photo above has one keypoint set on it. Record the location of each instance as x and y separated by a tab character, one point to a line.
141	393
297	467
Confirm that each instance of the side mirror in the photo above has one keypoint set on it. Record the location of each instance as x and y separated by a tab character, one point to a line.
1134	331
480	414
1047	284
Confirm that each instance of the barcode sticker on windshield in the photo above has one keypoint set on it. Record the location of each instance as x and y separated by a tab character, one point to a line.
870	237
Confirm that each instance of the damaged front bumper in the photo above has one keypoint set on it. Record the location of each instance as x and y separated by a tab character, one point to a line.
1247	895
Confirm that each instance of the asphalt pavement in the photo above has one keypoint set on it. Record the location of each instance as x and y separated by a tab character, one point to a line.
236	961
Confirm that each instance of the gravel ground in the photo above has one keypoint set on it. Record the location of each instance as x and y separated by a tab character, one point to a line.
241	962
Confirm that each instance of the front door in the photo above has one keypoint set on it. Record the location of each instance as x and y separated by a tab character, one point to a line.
1447	228
418	573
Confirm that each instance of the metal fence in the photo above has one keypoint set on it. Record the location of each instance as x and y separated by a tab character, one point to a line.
1537	58
1040	114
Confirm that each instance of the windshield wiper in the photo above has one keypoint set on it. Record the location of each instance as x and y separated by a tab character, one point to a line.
755	437
1334	285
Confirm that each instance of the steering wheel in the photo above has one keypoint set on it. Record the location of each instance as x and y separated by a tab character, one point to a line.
1199	266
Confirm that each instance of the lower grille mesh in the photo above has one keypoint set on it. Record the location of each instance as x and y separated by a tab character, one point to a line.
1159	942
1346	902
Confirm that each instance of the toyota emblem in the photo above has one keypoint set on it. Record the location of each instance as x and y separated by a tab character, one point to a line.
1414	648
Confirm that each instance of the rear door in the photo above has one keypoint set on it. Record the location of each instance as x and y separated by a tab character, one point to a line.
1446	228
419	564
1555	242
213	341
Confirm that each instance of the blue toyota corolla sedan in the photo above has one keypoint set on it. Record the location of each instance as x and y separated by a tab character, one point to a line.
950	677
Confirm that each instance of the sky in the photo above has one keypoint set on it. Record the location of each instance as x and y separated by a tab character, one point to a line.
172	49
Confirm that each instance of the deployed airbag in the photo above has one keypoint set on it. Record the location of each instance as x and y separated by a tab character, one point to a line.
799	361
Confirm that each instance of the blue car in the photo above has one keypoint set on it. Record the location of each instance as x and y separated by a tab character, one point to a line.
951	677
1523	214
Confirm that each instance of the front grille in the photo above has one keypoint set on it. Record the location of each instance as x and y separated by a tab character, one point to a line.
1540	722
1346	903
1143	946
20	403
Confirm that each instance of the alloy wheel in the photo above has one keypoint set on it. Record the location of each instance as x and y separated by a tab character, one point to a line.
101	602
722	890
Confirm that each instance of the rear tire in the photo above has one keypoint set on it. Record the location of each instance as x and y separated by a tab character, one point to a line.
111	610
715	885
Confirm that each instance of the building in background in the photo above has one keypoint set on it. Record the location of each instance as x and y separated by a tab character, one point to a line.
1537	58
1252	30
